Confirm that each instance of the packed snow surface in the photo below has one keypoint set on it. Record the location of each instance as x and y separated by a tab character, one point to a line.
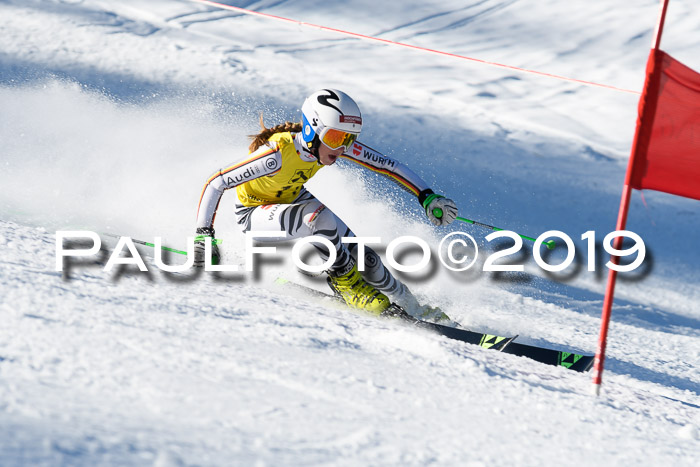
114	114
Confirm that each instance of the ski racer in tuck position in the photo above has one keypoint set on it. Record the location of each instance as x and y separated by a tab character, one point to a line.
269	184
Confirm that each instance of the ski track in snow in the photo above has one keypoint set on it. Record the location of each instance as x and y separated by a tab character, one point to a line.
114	114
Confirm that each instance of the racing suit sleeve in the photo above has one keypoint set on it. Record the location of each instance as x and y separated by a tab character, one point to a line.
378	162
255	165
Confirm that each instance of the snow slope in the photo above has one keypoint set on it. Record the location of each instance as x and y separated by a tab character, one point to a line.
114	113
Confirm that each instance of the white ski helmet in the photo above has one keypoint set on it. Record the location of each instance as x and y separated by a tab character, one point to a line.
330	117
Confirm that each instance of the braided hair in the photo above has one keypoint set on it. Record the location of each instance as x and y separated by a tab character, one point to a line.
265	133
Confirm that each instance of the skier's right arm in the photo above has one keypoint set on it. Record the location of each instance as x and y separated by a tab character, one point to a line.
257	164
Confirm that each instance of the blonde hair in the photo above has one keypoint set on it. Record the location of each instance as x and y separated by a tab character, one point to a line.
265	133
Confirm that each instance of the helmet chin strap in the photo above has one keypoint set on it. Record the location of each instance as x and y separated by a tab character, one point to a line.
313	147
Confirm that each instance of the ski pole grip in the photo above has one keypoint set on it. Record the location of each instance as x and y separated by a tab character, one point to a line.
426	197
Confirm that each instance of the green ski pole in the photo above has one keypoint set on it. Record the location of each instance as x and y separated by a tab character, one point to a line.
550	244
215	241
141	242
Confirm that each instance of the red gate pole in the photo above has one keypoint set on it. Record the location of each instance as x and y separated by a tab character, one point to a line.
622	219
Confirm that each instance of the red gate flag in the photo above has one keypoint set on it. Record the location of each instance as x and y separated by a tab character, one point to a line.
667	156
665	153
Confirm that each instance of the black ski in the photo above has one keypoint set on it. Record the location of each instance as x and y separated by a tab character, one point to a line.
488	341
572	361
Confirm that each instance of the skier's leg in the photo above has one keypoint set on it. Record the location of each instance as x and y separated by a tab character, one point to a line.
305	216
377	275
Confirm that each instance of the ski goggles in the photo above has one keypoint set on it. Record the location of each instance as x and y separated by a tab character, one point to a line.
336	138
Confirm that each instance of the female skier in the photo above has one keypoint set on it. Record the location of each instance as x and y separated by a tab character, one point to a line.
269	184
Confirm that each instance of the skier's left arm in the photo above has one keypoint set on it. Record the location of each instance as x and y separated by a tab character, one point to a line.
440	210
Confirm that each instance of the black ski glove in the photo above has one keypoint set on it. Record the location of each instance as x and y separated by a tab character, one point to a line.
440	210
199	247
